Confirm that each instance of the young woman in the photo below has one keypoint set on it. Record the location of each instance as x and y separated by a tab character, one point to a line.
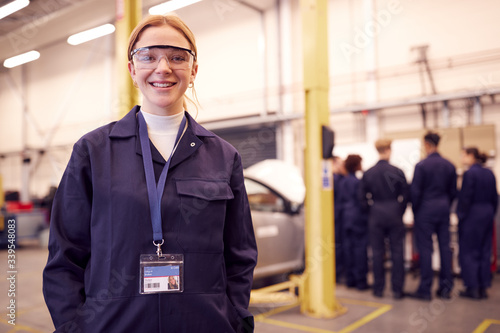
477	203
151	196
354	226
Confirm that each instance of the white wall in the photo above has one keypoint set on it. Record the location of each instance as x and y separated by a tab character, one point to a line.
463	55
231	58
67	92
462	50
73	90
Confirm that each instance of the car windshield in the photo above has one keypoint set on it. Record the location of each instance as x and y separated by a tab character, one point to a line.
262	198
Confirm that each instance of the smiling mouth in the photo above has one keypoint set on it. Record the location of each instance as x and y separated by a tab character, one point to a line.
162	85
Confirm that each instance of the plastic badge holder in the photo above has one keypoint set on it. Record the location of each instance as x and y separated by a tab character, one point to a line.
161	274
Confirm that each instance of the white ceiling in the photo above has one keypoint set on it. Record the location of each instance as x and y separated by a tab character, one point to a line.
37	9
47	21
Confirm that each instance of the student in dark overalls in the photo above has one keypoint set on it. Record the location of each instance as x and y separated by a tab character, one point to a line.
338	177
433	189
354	228
385	193
152	195
477	204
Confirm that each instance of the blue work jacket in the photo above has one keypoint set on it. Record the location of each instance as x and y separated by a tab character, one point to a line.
353	216
478	198
433	189
384	193
101	224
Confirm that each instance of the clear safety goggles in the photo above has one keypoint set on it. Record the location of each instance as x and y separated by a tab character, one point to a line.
148	57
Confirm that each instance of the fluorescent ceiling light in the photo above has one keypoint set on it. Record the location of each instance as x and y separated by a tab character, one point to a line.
13	7
94	33
21	59
170	6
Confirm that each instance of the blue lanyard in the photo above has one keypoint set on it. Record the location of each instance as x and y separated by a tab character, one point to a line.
155	191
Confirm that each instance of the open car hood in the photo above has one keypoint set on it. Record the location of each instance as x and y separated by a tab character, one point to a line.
284	178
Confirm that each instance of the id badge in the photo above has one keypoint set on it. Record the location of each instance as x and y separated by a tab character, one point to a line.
162	274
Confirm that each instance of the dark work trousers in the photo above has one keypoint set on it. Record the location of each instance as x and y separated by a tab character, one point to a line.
424	228
475	240
355	245
393	229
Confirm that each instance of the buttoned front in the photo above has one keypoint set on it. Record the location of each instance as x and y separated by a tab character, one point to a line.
101	224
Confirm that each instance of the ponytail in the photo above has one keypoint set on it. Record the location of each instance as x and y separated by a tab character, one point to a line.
478	156
482	158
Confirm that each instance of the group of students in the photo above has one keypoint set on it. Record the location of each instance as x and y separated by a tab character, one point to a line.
369	211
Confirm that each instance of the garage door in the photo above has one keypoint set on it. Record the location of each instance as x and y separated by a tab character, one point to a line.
254	144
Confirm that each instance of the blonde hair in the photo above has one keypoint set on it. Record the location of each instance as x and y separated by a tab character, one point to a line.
179	25
382	145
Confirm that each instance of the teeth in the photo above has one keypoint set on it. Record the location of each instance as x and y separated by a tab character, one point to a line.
162	85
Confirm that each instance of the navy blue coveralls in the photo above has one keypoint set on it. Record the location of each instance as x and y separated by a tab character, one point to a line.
477	203
354	233
433	189
337	209
385	193
101	224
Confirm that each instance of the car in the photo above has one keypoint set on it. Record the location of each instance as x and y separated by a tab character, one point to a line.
276	194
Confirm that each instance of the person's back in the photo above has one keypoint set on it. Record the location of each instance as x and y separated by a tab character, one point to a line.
384	194
349	196
434	187
387	190
476	207
354	228
486	182
482	192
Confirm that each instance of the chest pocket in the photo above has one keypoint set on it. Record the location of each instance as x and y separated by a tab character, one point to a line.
203	210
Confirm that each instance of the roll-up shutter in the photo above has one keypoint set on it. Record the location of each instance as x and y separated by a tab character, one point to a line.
254	144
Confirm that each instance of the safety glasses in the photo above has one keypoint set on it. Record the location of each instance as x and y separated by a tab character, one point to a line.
148	57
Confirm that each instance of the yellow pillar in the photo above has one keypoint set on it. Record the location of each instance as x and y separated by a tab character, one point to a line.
319	284
128	15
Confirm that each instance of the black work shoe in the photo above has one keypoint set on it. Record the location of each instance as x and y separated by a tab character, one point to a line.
378	293
363	286
471	293
482	293
420	296
398	295
443	293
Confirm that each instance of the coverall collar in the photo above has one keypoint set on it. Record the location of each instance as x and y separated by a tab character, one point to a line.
128	127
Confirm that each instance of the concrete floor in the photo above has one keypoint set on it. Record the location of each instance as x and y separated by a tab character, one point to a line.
365	313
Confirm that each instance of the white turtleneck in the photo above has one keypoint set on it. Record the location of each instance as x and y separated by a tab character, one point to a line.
162	131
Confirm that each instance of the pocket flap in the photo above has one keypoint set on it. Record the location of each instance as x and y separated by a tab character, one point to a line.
205	189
